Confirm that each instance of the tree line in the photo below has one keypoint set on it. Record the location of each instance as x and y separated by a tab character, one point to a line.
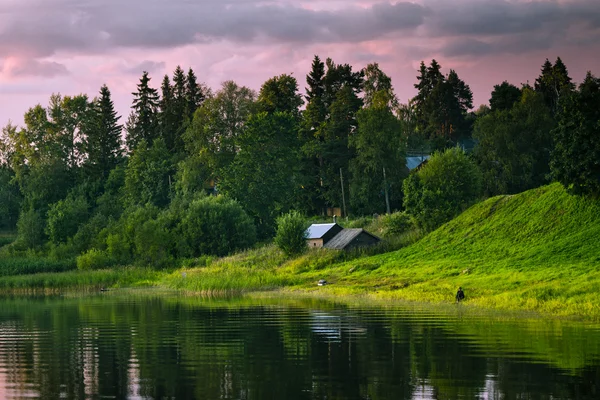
74	180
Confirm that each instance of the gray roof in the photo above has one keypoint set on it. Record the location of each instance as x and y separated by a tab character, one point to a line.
344	238
414	162
316	231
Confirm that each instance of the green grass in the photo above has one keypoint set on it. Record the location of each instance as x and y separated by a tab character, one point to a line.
536	251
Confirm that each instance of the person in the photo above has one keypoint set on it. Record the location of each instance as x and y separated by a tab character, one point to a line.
460	295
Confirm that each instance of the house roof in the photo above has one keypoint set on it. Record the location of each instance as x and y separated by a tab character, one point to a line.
317	231
345	237
414	162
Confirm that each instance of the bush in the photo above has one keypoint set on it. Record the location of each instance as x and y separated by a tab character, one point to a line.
447	185
94	259
30	227
396	223
215	226
291	233
65	217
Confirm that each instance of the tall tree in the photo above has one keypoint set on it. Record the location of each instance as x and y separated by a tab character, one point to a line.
378	167
212	135
280	94
195	95
264	174
442	103
376	83
554	83
513	146
103	142
577	140
168	119
504	96
143	121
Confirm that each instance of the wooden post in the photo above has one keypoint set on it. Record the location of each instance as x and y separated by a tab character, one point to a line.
387	197
343	196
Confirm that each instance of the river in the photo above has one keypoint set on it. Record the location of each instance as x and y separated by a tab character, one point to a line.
151	345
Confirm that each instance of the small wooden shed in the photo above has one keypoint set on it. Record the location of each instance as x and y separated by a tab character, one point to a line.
351	238
317	235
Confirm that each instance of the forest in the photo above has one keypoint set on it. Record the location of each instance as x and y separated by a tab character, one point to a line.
195	172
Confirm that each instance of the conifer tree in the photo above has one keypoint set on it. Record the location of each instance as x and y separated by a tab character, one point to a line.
103	142
194	95
143	121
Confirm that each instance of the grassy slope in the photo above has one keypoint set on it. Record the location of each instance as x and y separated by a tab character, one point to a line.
539	250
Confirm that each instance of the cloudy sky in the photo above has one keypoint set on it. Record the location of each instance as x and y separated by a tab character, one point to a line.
74	46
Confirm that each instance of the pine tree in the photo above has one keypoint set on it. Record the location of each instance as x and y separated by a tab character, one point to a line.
103	142
143	121
169	124
194	95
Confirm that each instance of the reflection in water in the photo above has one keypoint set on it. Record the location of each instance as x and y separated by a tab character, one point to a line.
142	346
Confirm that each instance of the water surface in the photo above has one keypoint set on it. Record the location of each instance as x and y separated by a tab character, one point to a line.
150	346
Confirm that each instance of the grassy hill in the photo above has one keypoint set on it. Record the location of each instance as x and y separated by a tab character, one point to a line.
538	250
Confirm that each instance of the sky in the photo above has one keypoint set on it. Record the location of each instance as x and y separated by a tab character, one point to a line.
76	46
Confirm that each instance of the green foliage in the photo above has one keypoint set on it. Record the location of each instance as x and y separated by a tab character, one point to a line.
441	105
143	121
65	217
396	223
444	187
513	146
291	233
213	226
264	176
379	146
148	174
10	199
94	259
504	96
577	140
30	227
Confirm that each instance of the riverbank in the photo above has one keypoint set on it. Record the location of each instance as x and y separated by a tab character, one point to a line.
535	251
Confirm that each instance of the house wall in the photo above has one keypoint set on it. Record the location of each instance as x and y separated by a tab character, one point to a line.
331	234
363	240
314	243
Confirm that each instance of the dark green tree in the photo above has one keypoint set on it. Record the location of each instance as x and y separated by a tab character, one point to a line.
576	150
504	96
103	142
148	177
379	150
442	104
513	146
264	175
143	121
195	94
554	83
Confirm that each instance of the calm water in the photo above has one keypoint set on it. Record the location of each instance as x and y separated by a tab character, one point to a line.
145	346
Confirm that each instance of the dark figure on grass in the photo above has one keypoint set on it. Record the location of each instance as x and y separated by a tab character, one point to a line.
460	295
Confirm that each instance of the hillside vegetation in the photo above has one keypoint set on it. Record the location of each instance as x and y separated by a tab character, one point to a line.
538	250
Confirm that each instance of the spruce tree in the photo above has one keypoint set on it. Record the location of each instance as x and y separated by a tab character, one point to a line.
103	142
194	95
143	121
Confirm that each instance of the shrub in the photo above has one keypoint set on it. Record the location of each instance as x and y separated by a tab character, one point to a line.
94	259
30	227
291	233
215	226
396	223
438	192
64	218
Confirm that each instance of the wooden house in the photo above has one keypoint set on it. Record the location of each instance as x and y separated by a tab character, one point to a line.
317	235
351	238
